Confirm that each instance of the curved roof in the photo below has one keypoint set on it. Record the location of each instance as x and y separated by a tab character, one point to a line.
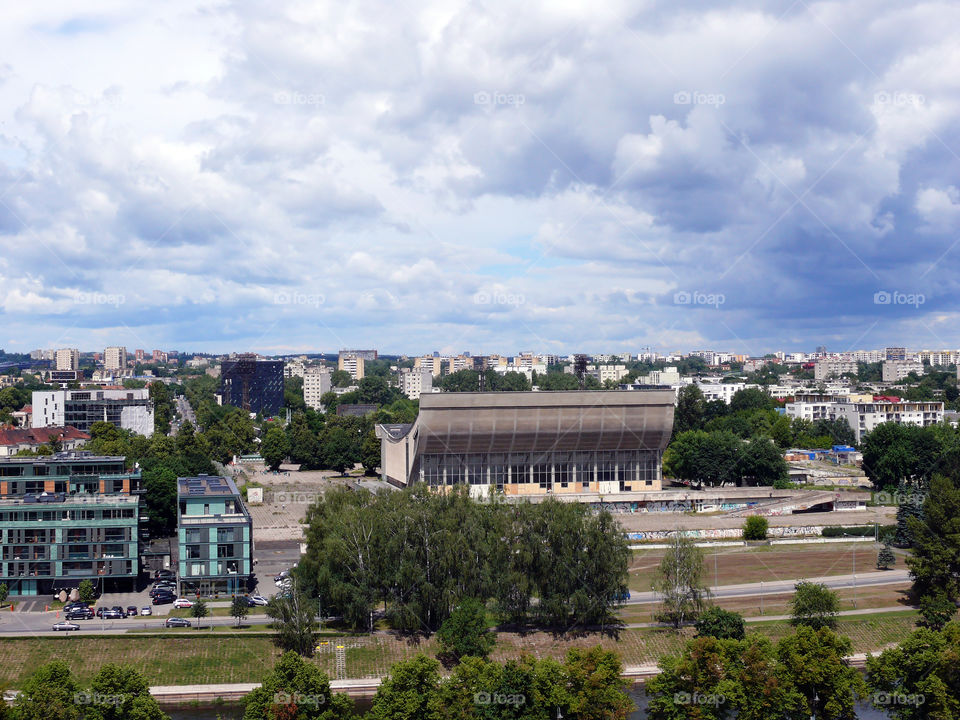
542	421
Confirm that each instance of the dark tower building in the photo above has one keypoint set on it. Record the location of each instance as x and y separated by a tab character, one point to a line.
252	384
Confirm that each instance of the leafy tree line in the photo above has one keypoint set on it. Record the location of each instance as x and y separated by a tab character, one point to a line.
418	554
469	381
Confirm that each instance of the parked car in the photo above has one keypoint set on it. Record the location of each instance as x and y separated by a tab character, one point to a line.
82	613
146	610
64	625
131	611
163	599
117	608
282	575
258	600
164	573
163	590
75	605
176	622
183	603
100	612
112	614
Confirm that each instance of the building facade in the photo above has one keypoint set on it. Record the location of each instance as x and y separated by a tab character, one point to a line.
252	384
215	537
414	383
13	440
66	359
126	408
115	358
316	383
532	444
352	362
863	414
825	369
66	518
897	370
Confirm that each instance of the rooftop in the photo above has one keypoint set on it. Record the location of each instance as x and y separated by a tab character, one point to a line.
72	456
36	436
206	486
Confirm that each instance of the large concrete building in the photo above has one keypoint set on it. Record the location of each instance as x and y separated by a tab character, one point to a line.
316	383
897	370
215	536
66	518
352	361
533	444
115	358
414	383
863	412
66	359
252	384
127	408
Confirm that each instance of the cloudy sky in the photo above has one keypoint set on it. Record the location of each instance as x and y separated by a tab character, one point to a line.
486	176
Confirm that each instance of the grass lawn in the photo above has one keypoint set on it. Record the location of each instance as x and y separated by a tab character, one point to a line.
191	657
735	565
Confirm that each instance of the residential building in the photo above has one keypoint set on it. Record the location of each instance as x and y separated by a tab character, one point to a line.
23	417
139	355
828	368
214	537
938	358
413	383
459	362
294	368
352	362
863	414
897	370
115	358
252	383
13	440
895	354
532	444
126	408
614	373
66	518
316	383
431	363
365	354
159	356
67	359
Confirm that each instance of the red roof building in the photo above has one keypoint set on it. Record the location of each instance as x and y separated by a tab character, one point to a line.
13	440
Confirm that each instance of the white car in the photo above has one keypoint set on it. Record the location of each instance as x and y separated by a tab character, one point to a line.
146	610
258	600
182	603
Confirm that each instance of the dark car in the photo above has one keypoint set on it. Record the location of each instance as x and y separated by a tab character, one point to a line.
163	590
80	613
120	610
164	574
164	599
176	622
112	614
131	611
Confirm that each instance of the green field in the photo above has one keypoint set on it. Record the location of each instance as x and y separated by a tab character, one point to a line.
182	659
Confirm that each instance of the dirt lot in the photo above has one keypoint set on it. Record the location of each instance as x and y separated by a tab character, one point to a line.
735	565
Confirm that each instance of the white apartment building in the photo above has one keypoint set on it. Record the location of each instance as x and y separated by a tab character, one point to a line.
126	408
895	371
616	373
869	356
67	359
528	371
459	362
431	363
668	376
414	383
294	368
721	390
825	369
115	358
863	417
938	358
316	383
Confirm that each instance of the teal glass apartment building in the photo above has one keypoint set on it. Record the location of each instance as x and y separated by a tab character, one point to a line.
66	518
215	540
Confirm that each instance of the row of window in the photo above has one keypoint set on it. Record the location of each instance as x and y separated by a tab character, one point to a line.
224	535
8	516
227	550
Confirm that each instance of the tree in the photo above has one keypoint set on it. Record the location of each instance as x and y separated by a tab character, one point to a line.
127	696
465	631
935	563
296	689
750	399
329	401
936	610
409	692
304	443
199	610
702	457
922	666
87	591
755	528
160	500
49	692
814	605
721	624
338	449
162	407
294	621
688	414
4	591
370	453
763	463
340	379
274	447
885	558
678	582
239	608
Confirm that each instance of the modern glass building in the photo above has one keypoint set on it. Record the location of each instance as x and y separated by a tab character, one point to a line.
66	518
533	443
215	537
252	384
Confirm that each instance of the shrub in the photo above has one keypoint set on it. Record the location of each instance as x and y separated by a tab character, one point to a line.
721	624
815	606
755	528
